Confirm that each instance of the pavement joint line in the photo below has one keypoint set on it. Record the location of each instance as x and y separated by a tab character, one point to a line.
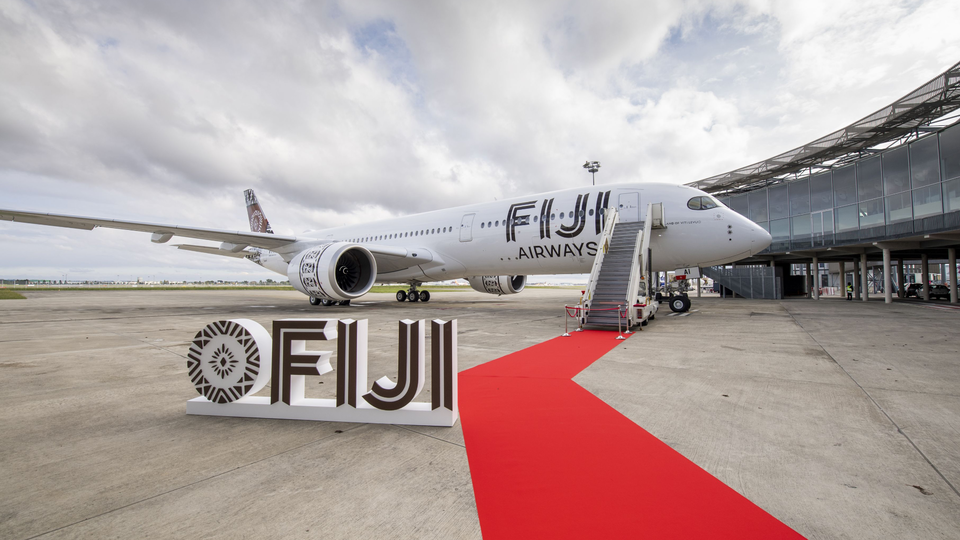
407	428
191	484
151	344
877	405
902	391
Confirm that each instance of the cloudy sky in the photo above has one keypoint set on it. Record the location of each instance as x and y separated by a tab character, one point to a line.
340	112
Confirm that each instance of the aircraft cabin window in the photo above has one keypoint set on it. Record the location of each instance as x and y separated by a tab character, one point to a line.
591	211
553	216
581	213
534	219
496	223
482	224
561	215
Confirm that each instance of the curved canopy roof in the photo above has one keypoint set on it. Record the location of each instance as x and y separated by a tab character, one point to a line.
909	114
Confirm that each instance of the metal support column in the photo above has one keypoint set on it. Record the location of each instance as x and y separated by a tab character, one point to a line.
887	282
925	270
856	279
843	279
864	283
901	279
699	286
816	278
952	272
806	280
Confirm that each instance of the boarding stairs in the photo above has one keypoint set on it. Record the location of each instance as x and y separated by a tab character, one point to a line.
617	293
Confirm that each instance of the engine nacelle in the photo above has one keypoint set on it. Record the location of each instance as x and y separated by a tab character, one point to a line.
498	284
335	271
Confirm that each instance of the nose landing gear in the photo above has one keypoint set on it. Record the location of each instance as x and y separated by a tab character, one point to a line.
679	304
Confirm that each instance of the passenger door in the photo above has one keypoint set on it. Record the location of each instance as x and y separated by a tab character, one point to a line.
466	227
629	206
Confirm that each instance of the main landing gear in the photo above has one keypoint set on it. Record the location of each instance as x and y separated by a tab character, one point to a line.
314	301
413	295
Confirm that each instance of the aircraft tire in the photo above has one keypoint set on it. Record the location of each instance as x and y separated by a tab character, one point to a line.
401	296
326	302
414	296
314	301
679	304
424	296
343	303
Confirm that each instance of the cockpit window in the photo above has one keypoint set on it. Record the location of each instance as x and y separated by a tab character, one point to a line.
702	203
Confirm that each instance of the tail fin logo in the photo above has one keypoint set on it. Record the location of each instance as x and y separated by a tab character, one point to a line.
258	221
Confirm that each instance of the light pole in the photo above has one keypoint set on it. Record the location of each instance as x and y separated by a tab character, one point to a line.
592	167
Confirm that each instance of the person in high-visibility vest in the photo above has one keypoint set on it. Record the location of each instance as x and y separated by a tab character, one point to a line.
849	291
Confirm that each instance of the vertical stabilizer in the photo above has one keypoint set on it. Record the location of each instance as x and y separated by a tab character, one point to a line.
258	220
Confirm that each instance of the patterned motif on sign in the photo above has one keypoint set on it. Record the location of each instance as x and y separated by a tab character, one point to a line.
223	362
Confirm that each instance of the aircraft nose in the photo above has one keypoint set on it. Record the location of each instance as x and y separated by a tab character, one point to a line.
759	239
754	237
763	238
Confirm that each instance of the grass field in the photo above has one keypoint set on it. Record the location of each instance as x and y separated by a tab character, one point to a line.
10	292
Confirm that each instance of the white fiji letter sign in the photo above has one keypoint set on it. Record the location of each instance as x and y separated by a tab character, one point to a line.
230	361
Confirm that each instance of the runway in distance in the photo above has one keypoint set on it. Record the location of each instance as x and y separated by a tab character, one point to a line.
494	245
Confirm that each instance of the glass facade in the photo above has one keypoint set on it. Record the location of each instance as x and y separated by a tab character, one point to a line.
821	192
799	197
951	195
758	206
869	183
950	153
896	178
895	193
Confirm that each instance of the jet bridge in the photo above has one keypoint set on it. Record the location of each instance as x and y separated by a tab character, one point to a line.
619	291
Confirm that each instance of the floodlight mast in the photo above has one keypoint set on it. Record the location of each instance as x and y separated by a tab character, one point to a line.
592	167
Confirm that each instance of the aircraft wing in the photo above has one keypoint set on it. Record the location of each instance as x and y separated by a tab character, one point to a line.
238	239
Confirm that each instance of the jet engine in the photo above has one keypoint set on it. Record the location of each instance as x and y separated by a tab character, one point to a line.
498	284
335	271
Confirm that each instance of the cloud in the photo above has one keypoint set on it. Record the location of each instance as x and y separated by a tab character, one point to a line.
343	112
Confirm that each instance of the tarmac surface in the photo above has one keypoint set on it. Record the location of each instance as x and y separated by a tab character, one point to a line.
841	419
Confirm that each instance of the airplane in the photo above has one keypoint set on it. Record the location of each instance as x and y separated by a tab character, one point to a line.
493	245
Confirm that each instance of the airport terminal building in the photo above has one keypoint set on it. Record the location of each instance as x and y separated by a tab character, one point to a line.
875	205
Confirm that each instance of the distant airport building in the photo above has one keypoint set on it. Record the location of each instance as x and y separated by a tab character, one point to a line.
873	206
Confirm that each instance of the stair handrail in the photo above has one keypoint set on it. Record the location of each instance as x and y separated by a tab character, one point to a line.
612	217
639	265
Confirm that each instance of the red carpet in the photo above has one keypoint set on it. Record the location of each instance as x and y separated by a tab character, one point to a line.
550	460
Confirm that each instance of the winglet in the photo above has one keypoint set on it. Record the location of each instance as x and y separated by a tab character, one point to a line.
258	220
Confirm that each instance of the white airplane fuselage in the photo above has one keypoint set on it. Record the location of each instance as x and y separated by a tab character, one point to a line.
493	244
549	233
